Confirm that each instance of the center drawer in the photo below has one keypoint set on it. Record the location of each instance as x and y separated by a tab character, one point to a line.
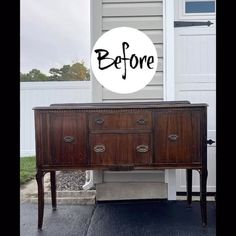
116	121
122	149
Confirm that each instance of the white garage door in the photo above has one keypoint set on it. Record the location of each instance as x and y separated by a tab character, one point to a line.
195	68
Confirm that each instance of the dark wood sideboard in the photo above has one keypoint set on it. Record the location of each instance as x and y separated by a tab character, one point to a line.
121	136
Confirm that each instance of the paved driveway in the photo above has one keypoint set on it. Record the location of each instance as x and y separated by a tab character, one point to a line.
130	218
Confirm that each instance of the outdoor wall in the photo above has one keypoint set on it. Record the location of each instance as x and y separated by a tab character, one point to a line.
146	16
43	94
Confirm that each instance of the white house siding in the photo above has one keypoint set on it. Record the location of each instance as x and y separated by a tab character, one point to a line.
34	94
147	16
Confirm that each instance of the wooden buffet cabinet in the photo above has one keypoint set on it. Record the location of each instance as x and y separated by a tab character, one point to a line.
121	136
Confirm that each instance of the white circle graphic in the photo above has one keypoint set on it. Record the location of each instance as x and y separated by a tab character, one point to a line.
124	60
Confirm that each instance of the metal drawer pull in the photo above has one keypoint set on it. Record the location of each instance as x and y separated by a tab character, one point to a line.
69	139
99	148
141	121
173	137
99	121
142	148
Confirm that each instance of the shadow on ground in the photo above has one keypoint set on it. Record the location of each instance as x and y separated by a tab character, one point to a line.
129	218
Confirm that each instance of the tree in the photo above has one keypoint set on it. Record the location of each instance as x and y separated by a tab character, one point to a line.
33	75
78	71
75	72
55	74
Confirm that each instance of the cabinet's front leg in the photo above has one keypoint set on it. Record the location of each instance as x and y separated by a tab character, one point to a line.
189	185
39	179
203	192
53	189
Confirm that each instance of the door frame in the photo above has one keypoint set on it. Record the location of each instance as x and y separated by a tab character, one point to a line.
168	77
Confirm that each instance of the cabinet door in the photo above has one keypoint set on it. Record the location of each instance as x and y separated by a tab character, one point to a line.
120	149
178	137
68	138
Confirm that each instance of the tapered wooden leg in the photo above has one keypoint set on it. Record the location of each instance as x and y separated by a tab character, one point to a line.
53	189
189	185
203	202
39	179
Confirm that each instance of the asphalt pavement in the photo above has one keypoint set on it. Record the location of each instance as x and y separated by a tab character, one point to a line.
124	218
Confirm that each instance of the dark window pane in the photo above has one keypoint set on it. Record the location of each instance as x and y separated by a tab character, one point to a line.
200	7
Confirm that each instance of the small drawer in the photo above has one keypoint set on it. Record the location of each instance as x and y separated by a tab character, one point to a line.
120	149
116	121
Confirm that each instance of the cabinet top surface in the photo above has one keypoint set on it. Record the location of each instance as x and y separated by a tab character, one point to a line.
121	105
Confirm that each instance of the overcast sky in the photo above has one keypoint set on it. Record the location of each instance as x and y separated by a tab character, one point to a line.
54	33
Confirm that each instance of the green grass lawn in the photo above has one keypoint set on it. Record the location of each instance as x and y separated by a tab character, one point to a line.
27	169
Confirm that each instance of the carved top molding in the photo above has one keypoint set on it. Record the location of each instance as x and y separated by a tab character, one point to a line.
118	106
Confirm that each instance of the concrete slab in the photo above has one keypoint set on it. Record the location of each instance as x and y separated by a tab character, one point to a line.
195	198
30	189
29	193
127	191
